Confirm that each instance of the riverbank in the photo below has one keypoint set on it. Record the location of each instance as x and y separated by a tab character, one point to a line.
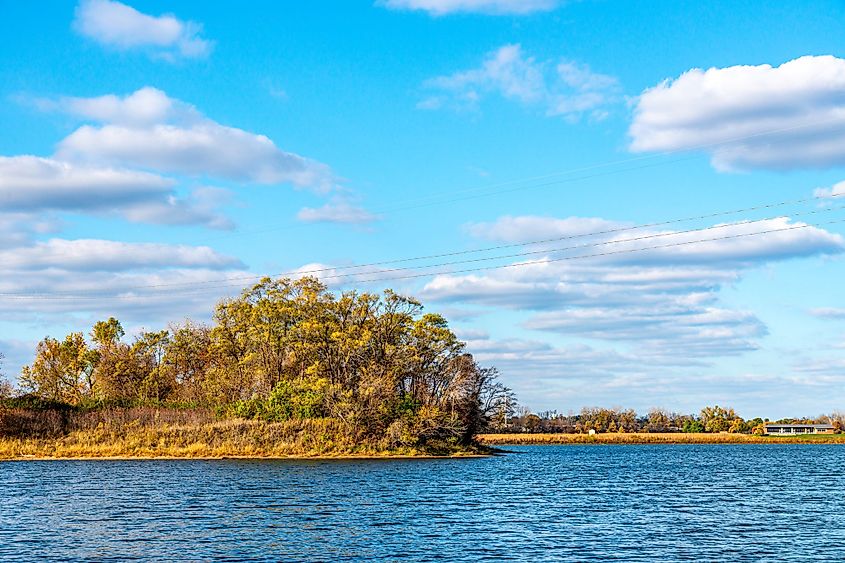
654	438
234	438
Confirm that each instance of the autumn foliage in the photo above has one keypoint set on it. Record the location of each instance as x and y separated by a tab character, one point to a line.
287	350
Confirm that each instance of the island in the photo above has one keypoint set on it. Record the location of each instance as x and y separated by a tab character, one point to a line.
287	368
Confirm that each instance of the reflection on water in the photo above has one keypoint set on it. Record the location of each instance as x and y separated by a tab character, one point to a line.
558	503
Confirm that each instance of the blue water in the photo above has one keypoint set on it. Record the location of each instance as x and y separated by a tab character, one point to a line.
545	503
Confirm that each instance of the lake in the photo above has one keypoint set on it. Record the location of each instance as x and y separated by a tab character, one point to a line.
557	503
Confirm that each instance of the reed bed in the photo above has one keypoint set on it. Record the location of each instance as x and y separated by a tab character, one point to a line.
654	438
123	437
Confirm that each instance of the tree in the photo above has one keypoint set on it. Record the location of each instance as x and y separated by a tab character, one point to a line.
718	419
658	420
6	389
292	349
187	361
157	383
61	371
837	420
692	426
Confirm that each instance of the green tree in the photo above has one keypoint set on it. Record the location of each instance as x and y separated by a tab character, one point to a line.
692	426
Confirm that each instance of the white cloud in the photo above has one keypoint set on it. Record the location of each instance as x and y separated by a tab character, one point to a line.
146	105
336	211
74	282
828	312
443	7
90	255
563	89
149	130
665	300
526	228
572	376
122	27
721	244
835	191
671	328
32	184
747	117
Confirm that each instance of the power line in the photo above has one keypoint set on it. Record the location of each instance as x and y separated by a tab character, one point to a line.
616	230
484	268
609	253
607	164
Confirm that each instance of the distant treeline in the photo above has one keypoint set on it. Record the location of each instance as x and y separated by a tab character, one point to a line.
283	350
710	419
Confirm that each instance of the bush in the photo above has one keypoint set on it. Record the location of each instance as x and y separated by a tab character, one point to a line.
693	427
289	400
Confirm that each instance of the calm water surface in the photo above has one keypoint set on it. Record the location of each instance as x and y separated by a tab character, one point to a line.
557	503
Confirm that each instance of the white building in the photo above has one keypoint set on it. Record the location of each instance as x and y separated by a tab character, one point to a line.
774	429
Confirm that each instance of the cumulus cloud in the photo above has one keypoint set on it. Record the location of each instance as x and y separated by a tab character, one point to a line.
149	130
664	299
565	89
119	26
574	375
749	117
45	281
721	243
336	211
32	184
443	7
104	255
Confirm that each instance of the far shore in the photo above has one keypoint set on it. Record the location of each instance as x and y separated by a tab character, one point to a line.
525	439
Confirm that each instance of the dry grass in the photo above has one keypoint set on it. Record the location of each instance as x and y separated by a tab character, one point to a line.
646	438
228	438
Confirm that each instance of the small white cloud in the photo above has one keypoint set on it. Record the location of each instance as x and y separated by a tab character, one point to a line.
828	312
835	191
144	106
495	7
119	26
531	227
749	117
566	89
336	211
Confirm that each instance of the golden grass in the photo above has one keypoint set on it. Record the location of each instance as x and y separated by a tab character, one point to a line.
647	438
236	438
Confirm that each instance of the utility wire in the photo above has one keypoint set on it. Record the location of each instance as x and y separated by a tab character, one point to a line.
601	254
508	246
480	191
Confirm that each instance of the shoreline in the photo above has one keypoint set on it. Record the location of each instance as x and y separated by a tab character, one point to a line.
341	457
644	438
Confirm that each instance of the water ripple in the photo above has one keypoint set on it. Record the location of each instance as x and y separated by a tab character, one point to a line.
544	503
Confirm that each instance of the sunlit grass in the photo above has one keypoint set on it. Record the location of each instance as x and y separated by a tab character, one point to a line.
138	438
654	438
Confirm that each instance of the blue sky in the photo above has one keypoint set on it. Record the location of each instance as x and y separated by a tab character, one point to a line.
155	155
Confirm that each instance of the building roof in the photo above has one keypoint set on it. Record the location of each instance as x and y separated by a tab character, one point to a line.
826	426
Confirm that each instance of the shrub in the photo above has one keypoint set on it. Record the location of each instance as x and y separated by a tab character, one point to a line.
693	427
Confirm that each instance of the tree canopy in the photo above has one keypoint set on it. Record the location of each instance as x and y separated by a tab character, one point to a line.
288	349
